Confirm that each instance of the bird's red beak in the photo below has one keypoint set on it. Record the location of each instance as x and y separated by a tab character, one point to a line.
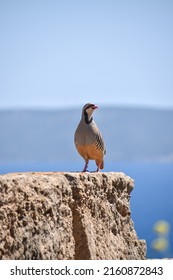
94	107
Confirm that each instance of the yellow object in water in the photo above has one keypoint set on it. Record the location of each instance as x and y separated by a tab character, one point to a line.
161	227
160	244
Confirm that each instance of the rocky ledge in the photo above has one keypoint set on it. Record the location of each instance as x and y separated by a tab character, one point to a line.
67	216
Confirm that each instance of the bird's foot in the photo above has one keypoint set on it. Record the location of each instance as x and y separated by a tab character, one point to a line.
95	171
98	168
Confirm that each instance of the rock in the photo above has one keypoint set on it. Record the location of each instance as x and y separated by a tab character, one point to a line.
67	216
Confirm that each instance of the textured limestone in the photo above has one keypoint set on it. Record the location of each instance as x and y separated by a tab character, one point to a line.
67	216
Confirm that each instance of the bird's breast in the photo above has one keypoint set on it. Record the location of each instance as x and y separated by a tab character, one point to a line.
85	134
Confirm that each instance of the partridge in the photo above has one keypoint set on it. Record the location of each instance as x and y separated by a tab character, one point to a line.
88	139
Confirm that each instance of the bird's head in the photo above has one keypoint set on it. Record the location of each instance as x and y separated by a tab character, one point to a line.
89	108
87	111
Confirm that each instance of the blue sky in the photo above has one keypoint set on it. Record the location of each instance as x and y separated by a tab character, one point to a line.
66	53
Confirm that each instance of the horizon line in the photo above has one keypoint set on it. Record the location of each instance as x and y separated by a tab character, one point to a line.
72	107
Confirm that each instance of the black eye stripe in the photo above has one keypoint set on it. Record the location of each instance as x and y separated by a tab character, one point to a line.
89	106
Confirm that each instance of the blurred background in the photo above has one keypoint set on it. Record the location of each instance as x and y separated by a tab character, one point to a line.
58	55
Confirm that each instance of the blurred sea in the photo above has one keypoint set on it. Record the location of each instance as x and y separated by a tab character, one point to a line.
151	199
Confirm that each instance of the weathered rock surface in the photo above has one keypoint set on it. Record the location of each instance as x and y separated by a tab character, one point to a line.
67	216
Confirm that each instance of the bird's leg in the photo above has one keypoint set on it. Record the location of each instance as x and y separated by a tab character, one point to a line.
98	168
85	167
